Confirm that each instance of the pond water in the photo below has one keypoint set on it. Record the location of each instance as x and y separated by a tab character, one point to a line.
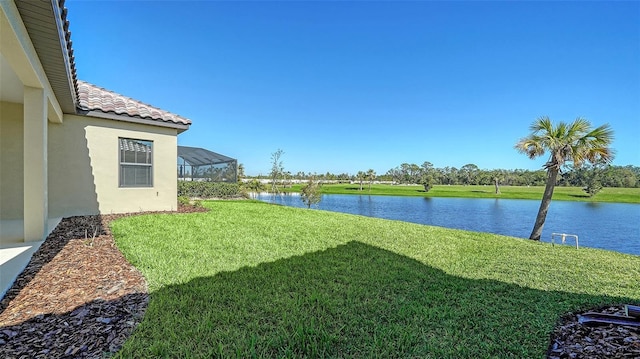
612	226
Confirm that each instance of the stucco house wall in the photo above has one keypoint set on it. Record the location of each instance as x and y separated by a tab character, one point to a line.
11	160
60	138
84	168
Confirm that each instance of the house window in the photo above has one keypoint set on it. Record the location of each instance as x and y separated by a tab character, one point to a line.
136	168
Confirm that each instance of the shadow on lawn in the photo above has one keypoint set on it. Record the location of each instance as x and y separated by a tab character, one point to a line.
579	195
355	188
354	300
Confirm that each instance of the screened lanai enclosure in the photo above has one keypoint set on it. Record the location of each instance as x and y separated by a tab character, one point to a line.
198	164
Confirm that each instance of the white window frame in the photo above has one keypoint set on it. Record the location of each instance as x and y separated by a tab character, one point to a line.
142	151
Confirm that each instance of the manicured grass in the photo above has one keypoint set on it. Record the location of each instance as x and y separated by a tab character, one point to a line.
620	195
254	280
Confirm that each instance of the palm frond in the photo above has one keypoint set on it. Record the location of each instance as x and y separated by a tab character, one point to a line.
541	124
529	146
578	128
574	142
603	134
560	132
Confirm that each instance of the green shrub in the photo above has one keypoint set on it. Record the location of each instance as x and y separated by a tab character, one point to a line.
208	189
311	193
593	187
183	200
252	188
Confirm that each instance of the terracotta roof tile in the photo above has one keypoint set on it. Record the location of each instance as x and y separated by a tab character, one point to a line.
92	97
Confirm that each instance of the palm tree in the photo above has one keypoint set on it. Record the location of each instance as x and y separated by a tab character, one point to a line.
240	173
361	176
575	142
371	176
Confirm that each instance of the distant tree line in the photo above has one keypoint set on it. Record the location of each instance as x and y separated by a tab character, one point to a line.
470	174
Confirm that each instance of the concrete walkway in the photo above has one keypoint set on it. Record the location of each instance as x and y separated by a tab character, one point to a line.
14	253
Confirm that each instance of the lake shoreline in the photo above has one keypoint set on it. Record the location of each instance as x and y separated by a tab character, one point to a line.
561	193
609	226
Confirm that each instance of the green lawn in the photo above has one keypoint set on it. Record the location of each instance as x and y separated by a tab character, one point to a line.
250	279
620	195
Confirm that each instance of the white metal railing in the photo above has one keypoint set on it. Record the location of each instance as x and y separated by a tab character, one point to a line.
563	238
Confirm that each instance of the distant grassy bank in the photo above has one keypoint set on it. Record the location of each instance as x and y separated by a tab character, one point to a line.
254	280
619	195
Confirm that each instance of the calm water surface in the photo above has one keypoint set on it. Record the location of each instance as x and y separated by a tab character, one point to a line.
612	226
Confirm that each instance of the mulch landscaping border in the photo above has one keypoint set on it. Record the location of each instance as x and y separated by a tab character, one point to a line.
571	339
78	296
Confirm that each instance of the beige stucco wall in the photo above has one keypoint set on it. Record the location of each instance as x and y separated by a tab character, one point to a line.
11	160
84	168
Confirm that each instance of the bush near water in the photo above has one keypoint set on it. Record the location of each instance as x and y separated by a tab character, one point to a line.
204	189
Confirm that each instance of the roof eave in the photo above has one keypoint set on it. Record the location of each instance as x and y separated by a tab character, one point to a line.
139	120
58	62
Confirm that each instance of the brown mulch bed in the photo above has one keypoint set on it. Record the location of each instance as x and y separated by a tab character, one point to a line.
571	339
78	297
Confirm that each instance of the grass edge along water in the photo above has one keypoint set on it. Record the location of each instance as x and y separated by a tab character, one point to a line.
561	193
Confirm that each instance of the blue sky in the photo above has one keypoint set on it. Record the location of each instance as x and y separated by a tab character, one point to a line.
349	86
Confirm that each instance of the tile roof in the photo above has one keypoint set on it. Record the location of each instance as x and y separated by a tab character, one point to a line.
92	97
46	21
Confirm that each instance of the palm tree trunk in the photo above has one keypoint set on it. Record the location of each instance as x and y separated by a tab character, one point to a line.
544	205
